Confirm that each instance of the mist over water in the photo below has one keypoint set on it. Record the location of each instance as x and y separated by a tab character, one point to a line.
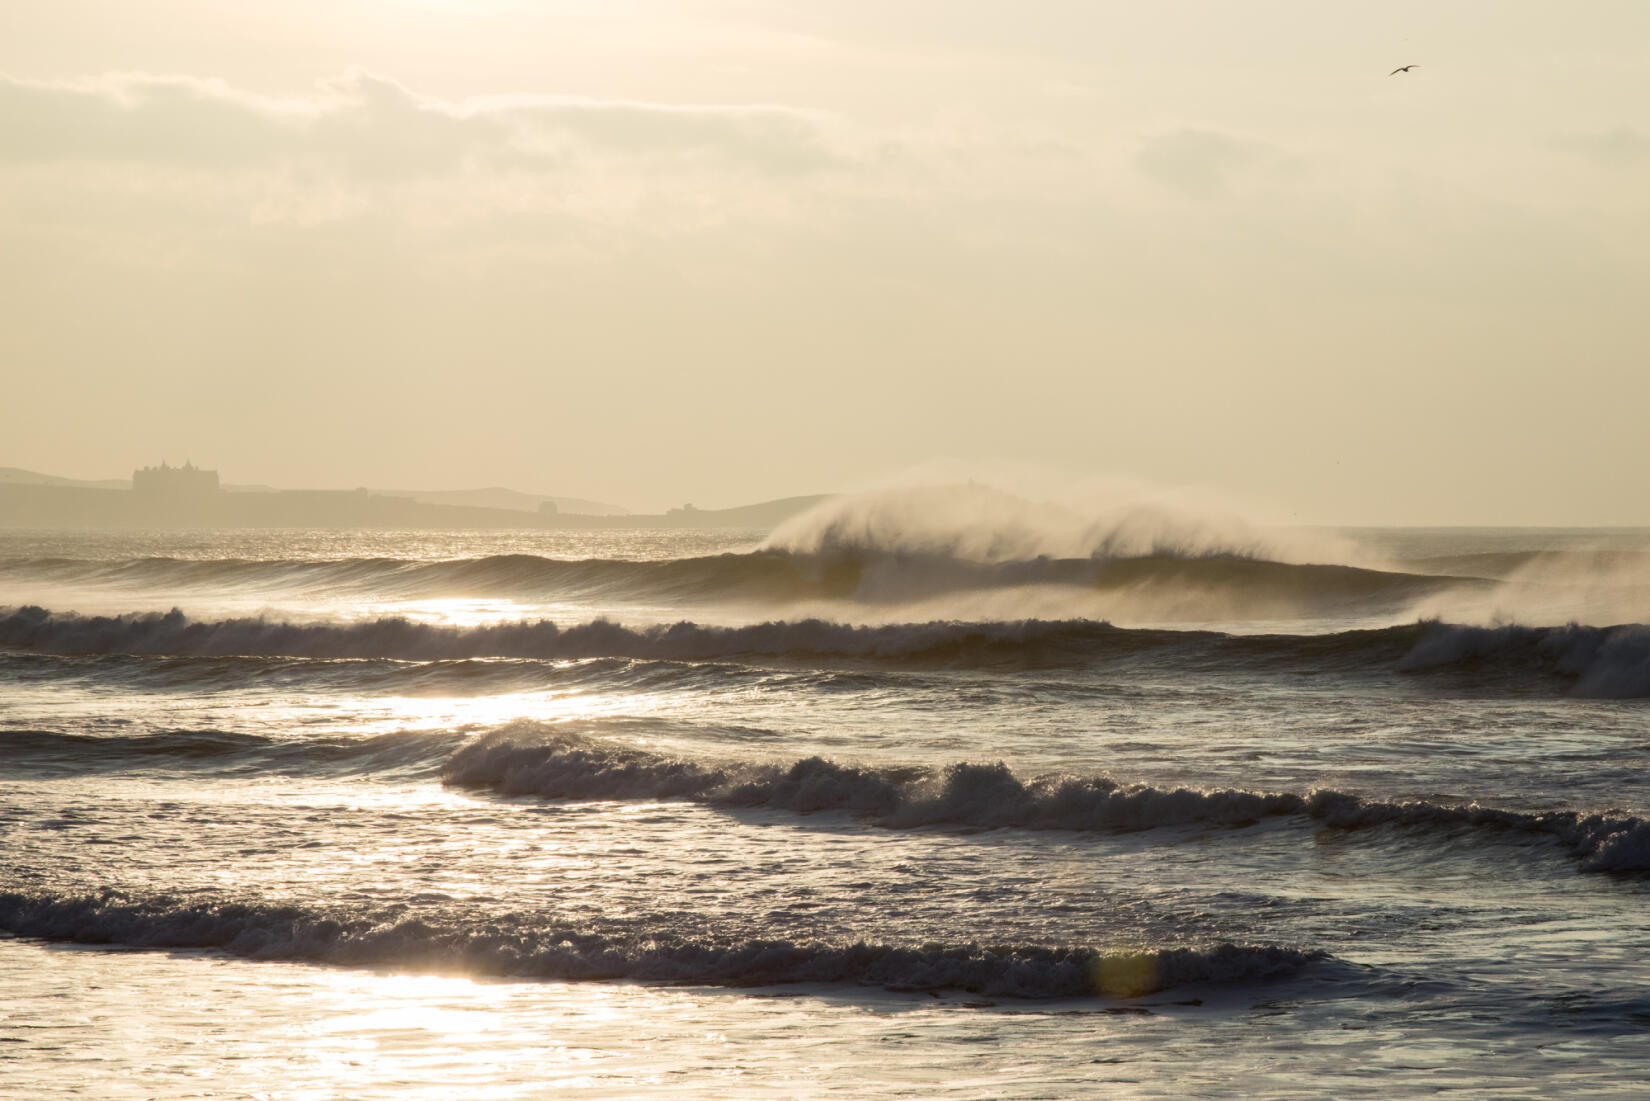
898	554
979	523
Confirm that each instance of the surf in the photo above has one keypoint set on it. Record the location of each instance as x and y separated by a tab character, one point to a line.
1606	662
526	759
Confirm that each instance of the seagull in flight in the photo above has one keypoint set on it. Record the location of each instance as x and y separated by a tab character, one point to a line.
1404	69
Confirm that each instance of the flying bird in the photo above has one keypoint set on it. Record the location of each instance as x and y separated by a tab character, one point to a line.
1403	69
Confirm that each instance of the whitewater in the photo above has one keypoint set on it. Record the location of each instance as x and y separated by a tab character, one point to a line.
940	794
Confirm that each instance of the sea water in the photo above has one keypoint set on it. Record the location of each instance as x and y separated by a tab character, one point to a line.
320	814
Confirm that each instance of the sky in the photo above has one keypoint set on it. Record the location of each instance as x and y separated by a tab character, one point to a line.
657	252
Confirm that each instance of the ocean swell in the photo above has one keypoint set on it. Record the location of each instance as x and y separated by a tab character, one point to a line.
521	946
1178	580
410	753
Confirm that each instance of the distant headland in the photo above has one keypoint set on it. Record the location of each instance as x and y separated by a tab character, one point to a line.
192	497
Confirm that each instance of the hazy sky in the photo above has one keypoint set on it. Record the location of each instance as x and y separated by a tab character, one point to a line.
655	252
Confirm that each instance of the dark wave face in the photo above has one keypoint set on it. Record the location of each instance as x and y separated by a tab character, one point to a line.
533	761
1609	662
404	754
522	946
459	677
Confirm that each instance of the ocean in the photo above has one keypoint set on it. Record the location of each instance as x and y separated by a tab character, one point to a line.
927	798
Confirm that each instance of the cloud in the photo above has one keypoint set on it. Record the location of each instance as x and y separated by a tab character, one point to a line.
368	125
1619	148
1197	163
123	118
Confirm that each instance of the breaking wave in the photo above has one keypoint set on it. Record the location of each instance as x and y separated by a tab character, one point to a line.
1612	662
526	759
520	946
1609	663
175	634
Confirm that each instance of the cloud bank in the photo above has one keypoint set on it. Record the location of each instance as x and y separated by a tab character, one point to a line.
370	123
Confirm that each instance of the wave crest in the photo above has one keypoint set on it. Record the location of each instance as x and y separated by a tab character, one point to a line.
979	523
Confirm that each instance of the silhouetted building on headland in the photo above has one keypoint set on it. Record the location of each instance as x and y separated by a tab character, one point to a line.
175	483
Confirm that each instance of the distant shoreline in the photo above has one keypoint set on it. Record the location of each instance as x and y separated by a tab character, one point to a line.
49	506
